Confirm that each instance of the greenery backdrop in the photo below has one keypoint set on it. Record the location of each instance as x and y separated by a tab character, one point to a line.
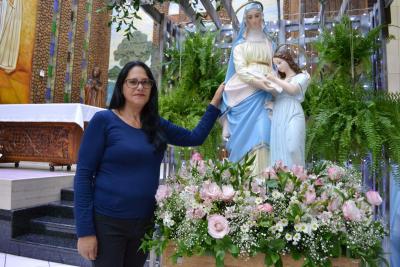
193	73
346	121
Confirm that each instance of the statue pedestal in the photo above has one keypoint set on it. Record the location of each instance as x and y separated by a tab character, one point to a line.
230	261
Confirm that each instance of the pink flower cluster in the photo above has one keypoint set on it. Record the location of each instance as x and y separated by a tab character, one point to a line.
210	191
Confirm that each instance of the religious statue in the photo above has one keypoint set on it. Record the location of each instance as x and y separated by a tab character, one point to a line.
94	92
245	115
10	31
288	127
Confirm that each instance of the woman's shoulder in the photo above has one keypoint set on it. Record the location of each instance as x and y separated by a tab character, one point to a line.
302	76
103	115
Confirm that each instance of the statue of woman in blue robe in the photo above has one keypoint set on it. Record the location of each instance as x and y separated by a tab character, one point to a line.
245	118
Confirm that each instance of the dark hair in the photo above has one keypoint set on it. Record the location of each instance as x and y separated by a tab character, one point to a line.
288	56
149	115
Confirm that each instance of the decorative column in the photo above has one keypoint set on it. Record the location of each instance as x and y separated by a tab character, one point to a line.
41	51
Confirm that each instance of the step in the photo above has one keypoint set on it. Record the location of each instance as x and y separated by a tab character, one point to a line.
62	208
48	240
67	194
53	226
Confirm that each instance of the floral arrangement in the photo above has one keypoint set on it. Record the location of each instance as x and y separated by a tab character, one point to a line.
215	208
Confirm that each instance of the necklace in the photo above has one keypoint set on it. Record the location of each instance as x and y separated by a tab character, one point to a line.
132	121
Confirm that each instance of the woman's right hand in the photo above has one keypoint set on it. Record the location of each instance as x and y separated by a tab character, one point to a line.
216	101
87	247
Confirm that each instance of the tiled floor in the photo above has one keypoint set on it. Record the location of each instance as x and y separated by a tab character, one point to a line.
8	260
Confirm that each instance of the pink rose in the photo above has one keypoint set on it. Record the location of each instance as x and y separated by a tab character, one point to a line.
210	191
299	172
163	192
269	173
373	198
197	213
280	166
227	192
196	156
266	207
310	196
350	211
335	173
218	226
319	182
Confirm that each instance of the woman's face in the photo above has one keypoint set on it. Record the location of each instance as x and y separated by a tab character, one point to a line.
137	87
254	19
281	64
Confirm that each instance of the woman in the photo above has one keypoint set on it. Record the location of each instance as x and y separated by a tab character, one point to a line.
246	125
119	165
288	122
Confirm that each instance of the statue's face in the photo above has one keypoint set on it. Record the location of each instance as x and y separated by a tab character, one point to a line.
281	64
254	19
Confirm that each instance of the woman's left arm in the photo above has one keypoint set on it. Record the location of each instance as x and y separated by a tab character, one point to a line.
182	137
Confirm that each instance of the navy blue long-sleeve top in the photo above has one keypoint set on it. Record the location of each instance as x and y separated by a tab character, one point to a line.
118	168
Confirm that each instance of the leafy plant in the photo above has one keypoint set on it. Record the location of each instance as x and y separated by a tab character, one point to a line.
191	78
346	121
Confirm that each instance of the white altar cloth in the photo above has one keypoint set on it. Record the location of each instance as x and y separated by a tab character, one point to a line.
69	112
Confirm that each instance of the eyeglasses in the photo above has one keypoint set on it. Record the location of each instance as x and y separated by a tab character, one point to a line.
134	83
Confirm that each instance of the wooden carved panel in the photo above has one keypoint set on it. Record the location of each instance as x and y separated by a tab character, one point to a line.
40	141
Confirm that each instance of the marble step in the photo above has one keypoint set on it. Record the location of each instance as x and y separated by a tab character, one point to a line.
48	240
62	208
67	194
53	226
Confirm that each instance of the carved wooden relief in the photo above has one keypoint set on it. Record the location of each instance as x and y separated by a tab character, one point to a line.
36	141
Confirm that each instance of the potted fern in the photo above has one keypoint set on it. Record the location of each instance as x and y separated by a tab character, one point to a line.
345	120
192	75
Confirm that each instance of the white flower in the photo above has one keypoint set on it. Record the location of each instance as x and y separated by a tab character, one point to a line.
276	194
168	220
288	237
297	227
284	222
258	200
296	237
314	226
245	228
279	227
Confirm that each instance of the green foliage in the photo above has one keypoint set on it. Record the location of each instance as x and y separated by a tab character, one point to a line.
194	73
113	73
125	12
135	48
345	121
343	51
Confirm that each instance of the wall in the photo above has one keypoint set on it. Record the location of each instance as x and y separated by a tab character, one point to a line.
393	49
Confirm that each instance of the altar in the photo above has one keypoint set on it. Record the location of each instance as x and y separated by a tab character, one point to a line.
43	132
